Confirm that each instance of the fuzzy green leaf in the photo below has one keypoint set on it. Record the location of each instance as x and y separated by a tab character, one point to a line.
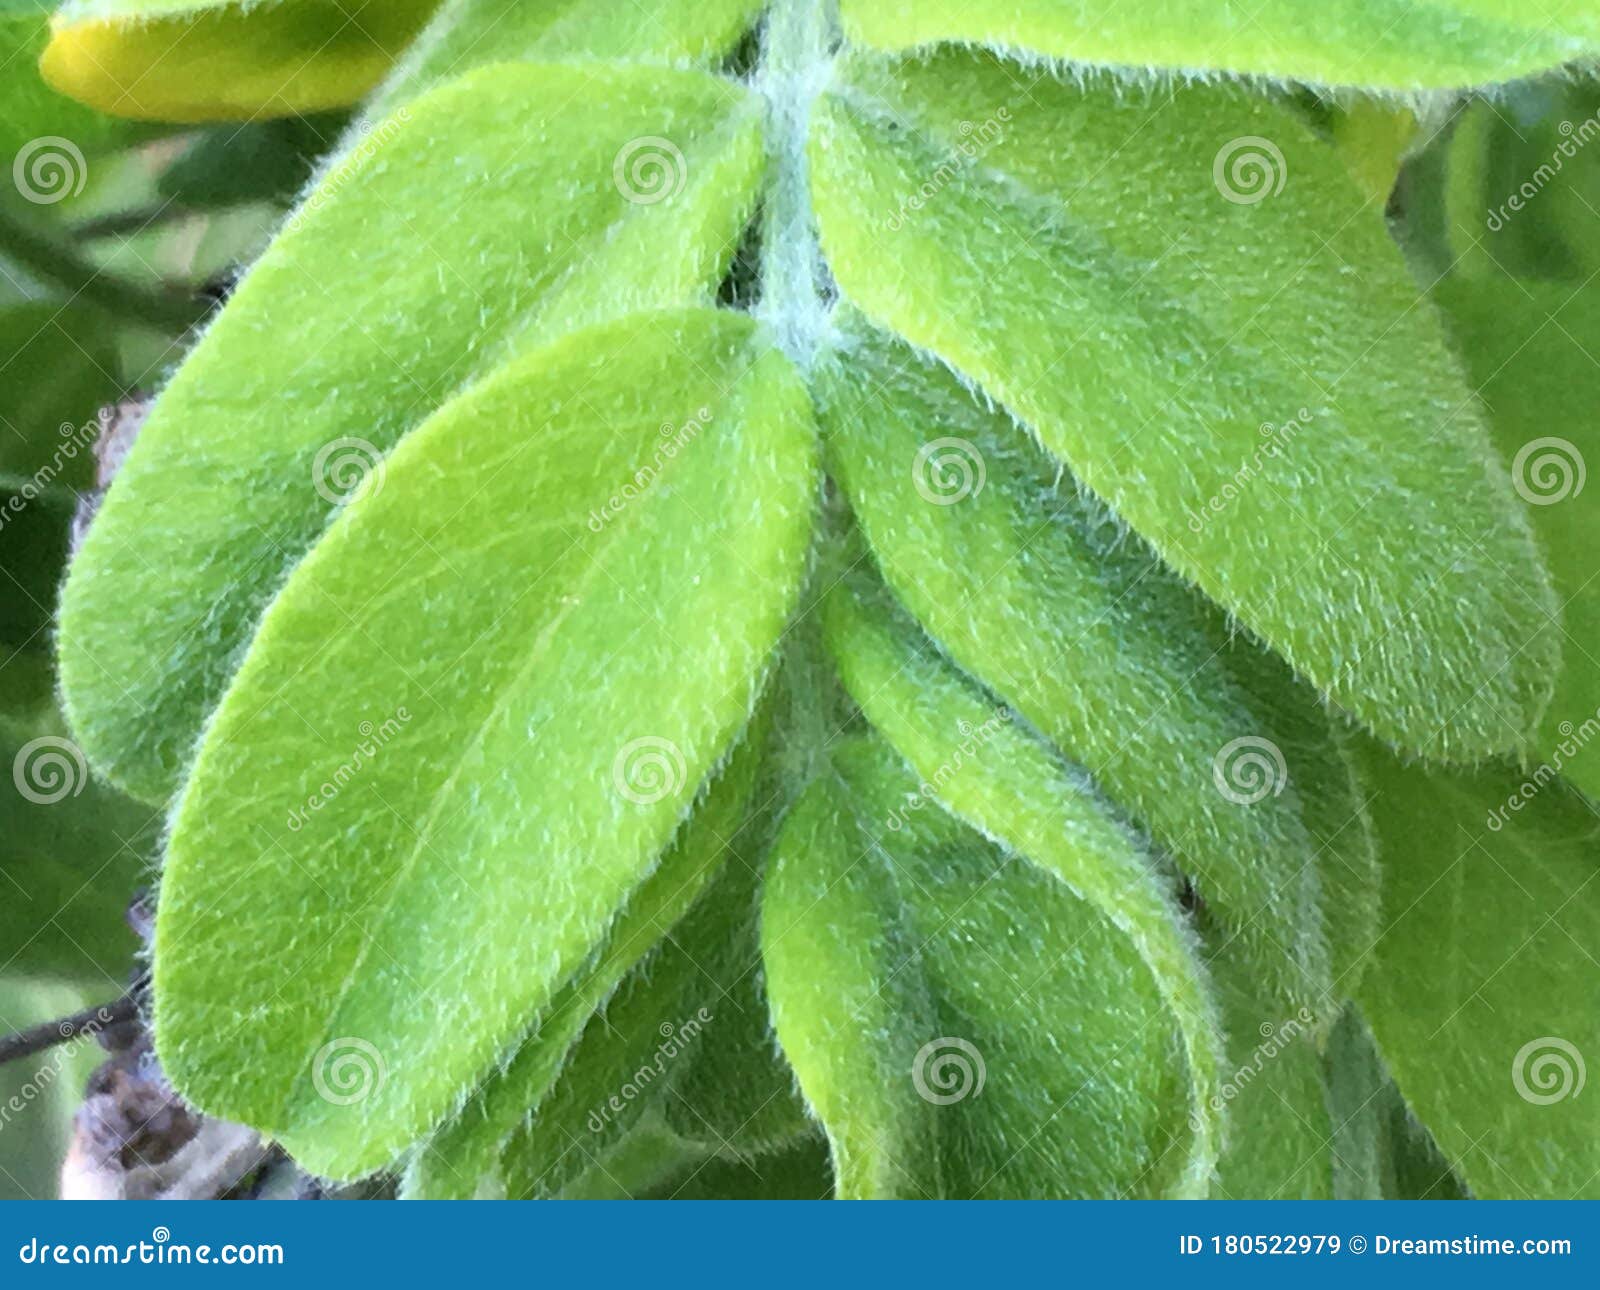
468	33
971	760
472	242
1380	1152
1493	900
959	1021
799	1172
619	665
468	1150
1384	44
1273	1088
1034	590
635	1054
1242	373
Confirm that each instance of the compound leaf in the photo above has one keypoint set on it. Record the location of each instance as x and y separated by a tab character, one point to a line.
972	761
960	1022
1032	588
472	242
993	226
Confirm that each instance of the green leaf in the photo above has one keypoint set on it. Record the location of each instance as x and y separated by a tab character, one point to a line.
261	161
1279	1130
1379	1150
469	1148
1242	374
1521	182
468	33
1493	900
1034	590
799	1172
971	760
619	664
474	242
1384	44
73	852
635	1053
1530	348
223	60
738	1095
58	365
959	1021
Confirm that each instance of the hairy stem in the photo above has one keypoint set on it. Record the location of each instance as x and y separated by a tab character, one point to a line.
796	59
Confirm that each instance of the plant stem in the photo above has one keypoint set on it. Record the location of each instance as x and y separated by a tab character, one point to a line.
56	264
89	1022
796	60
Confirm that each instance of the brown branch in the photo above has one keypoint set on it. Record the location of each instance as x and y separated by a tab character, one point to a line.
89	1022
